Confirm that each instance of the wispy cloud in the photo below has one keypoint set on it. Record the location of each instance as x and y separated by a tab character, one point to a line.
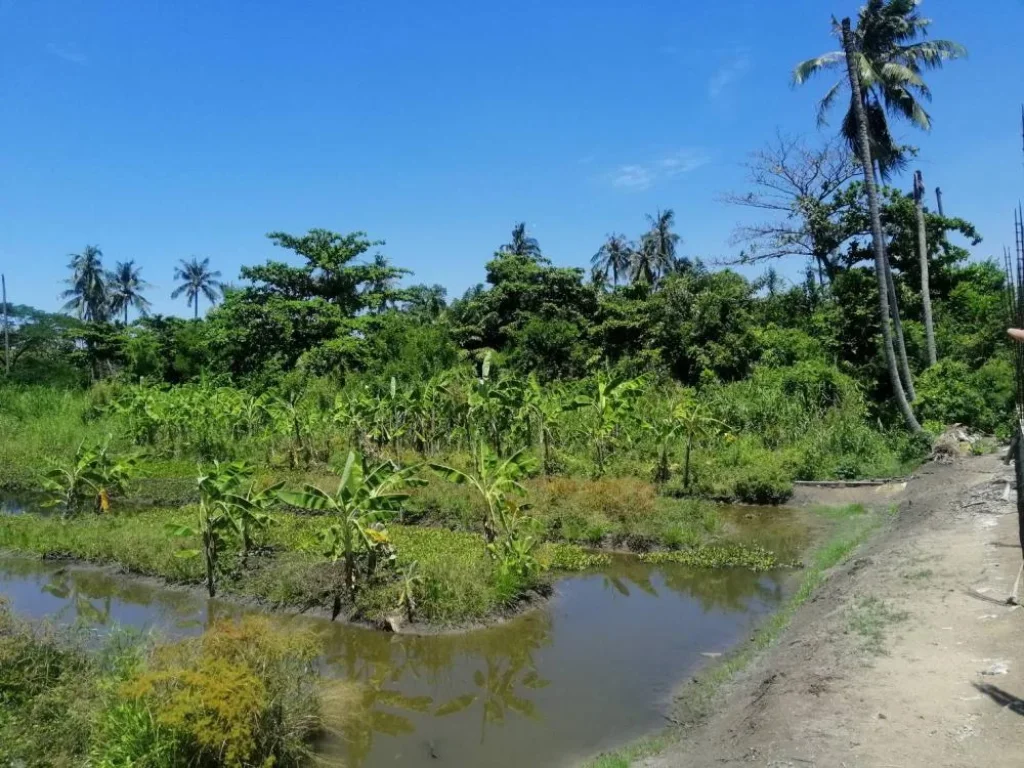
633	177
728	73
68	53
640	176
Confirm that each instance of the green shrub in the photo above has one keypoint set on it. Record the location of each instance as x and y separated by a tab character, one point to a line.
763	485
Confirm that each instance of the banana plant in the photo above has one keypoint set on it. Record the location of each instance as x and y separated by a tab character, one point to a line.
216	520
543	412
495	479
249	506
664	432
516	551
411	581
363	501
92	476
696	423
607	405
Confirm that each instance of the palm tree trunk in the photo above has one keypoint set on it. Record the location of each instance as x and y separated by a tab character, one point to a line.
126	315
195	314
876	228
897	324
922	253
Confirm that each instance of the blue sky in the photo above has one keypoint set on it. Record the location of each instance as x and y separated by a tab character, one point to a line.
159	130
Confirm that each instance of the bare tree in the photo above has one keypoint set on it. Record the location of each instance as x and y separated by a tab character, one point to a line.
798	185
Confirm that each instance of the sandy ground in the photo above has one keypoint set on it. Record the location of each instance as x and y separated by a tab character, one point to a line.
905	657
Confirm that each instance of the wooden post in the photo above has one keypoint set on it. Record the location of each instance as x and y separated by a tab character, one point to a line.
7	333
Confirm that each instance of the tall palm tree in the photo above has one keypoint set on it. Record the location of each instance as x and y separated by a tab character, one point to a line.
613	258
87	292
196	278
890	64
522	244
126	286
864	150
656	256
922	253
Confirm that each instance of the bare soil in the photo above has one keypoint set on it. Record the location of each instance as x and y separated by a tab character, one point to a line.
907	656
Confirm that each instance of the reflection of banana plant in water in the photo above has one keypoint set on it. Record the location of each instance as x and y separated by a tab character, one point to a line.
63	586
92	476
498	684
366	718
363	501
495	479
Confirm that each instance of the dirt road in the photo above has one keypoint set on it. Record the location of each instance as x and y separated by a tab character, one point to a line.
894	662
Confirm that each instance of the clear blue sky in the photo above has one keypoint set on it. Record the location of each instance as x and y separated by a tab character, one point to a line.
159	130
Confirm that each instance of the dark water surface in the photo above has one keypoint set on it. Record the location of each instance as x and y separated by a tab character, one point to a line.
593	669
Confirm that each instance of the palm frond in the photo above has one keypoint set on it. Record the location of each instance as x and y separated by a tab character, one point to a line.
807	69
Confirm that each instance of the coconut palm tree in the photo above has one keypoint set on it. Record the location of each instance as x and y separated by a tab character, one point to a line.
656	256
864	150
126	285
890	64
922	252
87	292
522	244
613	258
196	278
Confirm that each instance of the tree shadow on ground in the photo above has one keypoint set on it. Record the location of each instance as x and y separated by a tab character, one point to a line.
1001	697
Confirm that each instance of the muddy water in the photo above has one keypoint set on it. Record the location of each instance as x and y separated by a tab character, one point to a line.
589	671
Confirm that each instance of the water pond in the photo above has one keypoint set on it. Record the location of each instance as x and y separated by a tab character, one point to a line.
589	671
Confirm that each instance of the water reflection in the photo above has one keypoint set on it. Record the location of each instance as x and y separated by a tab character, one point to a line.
592	669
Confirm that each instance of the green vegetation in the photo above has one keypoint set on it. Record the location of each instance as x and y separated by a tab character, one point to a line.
242	694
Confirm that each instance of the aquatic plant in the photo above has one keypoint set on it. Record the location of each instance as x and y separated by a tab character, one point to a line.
718	556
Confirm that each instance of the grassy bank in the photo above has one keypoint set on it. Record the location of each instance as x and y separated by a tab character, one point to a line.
854	524
457	582
242	694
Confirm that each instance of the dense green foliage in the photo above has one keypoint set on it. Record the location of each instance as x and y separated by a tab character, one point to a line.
241	695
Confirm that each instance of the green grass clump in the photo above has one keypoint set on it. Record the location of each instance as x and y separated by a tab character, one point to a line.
560	556
718	556
242	694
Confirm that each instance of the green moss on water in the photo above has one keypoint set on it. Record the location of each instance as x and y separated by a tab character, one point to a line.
718	556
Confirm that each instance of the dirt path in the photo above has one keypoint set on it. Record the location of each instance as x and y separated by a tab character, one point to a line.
893	663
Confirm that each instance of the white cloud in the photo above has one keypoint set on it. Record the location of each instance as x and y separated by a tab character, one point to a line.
640	176
633	177
683	161
69	53
727	74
